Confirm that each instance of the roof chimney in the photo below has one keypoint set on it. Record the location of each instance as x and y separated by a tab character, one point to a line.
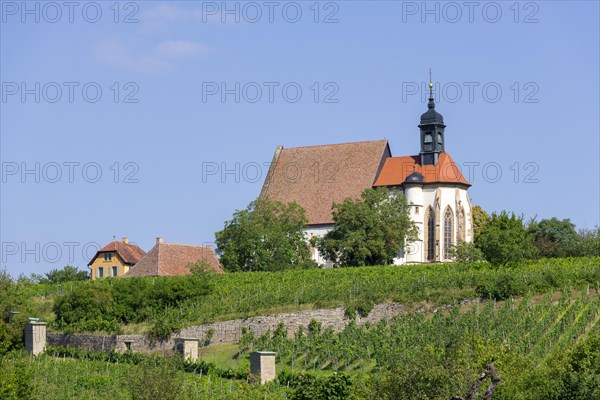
126	240
159	240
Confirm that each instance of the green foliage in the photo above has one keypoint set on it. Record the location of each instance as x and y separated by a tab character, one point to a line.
266	236
16	381
480	219
155	379
504	239
553	237
588	244
503	285
580	373
200	267
104	305
309	387
67	274
246	294
148	377
372	230
540	347
13	297
467	252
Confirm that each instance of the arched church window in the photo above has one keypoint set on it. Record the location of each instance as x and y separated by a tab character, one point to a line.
448	228
430	234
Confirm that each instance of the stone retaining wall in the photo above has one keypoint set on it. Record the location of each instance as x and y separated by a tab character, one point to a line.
227	331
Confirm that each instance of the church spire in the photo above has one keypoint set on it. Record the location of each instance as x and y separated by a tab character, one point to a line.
432	131
431	103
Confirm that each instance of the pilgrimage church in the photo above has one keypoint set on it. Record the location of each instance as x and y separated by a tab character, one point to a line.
318	176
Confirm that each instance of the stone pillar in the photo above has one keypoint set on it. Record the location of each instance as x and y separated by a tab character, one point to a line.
35	336
188	347
262	365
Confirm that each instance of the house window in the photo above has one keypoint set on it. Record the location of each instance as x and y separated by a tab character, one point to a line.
430	236
107	256
100	272
115	271
448	228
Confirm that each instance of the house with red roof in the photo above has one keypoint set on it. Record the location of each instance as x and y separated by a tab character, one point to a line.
115	259
318	176
169	259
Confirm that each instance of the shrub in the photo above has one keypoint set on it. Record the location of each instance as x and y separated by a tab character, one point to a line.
309	387
504	239
467	252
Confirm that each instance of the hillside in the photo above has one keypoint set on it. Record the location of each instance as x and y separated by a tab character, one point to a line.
537	329
244	294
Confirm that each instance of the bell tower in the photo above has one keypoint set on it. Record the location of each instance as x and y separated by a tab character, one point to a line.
432	131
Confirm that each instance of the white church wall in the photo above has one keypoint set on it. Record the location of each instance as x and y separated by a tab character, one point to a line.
317	231
421	199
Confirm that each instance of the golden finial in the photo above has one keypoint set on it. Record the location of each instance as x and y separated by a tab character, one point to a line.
430	85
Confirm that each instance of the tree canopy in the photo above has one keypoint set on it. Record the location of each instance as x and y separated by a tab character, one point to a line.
67	274
553	237
504	239
371	230
266	236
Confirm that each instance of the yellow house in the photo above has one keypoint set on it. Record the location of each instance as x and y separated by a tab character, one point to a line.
115	259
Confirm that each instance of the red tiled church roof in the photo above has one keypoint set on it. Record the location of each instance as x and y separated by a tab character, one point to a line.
128	252
168	259
317	176
396	169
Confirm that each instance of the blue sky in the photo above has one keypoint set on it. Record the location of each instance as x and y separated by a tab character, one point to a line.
163	122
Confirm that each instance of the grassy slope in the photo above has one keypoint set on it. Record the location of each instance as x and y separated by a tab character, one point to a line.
237	295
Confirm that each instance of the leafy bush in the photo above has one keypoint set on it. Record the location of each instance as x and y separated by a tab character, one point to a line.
467	252
16	382
67	274
310	387
504	239
12	298
104	305
501	286
155	379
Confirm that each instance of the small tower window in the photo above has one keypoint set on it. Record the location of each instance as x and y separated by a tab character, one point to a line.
440	141
428	141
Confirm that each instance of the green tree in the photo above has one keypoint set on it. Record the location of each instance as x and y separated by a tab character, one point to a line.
467	252
266	236
588	244
11	299
371	230
553	237
480	219
504	239
67	274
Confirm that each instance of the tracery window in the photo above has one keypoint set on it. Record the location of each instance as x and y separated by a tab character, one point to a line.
448	233
430	235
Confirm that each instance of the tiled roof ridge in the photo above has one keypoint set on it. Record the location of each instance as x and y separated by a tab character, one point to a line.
335	144
183	244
